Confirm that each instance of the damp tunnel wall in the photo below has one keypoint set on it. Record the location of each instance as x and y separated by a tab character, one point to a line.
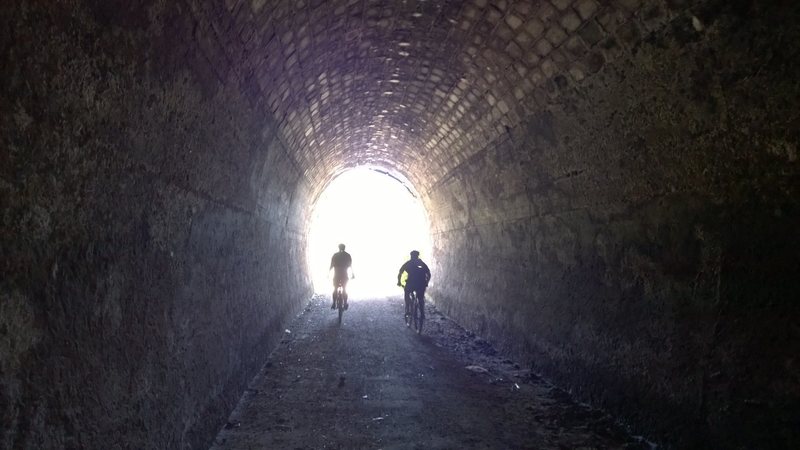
152	229
635	240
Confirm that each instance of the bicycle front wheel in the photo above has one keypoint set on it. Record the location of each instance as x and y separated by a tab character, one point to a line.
340	306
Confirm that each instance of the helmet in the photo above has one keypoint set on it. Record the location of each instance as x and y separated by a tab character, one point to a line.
341	247
414	254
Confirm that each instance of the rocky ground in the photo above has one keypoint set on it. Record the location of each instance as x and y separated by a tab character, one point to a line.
373	383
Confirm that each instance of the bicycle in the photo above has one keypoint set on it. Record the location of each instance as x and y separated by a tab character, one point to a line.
340	299
414	313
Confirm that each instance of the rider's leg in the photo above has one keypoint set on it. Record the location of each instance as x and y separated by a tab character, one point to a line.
333	296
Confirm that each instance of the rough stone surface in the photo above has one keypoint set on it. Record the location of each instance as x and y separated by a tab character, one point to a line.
151	247
645	223
624	171
417	86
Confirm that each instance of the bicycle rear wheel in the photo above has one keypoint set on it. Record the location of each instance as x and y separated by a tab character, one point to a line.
340	305
420	318
417	313
408	315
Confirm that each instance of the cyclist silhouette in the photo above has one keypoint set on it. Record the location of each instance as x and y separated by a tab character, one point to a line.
340	263
418	277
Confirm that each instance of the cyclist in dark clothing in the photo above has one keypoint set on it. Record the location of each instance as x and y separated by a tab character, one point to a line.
340	263
417	281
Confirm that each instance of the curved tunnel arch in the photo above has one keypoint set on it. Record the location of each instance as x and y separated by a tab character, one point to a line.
458	90
595	172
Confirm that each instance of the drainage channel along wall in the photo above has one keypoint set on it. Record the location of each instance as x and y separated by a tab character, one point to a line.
149	231
636	240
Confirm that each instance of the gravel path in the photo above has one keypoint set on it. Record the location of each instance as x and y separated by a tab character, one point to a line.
373	383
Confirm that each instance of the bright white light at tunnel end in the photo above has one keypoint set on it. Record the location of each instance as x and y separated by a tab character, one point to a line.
379	218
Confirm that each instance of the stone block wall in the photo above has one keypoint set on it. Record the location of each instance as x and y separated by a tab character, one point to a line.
151	236
635	240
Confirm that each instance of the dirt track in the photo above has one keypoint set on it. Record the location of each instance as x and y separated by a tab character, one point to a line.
373	383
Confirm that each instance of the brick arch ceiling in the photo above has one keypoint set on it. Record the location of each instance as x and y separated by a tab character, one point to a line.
414	86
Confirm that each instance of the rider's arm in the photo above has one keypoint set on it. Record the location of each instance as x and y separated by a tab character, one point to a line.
400	273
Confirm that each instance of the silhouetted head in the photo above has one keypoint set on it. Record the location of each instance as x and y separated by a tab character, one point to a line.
414	254
341	247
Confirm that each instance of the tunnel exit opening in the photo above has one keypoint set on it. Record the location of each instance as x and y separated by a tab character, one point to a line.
379	218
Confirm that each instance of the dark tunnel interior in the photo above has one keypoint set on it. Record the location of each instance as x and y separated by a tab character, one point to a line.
612	188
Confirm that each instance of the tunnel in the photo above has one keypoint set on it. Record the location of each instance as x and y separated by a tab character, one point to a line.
611	188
